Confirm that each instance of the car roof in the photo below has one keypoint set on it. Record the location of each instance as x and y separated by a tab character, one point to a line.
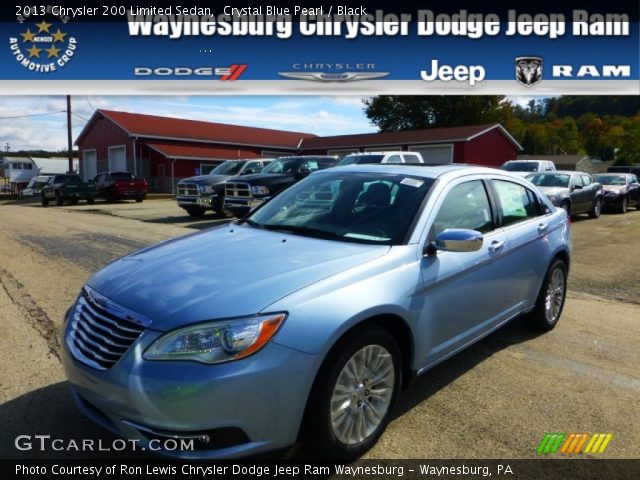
419	170
561	172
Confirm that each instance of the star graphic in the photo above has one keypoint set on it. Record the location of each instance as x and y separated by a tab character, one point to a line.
34	52
59	36
43	26
27	36
53	51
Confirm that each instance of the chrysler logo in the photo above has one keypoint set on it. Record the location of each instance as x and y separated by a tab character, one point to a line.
333	76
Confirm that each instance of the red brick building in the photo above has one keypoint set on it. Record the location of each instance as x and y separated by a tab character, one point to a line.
164	150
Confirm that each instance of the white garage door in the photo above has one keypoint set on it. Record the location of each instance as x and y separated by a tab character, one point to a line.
435	155
89	164
117	159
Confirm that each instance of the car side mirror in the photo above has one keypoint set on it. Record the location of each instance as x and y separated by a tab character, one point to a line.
249	171
576	187
455	240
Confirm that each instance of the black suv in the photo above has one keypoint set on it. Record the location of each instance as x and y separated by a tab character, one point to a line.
246	193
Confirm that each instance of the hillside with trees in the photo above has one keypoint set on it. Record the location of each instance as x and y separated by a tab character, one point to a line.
605	127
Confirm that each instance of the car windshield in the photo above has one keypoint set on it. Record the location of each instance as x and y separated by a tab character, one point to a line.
549	180
228	168
360	159
520	167
368	208
611	179
282	165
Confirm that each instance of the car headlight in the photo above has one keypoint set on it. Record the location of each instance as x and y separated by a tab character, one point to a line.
216	342
205	189
259	190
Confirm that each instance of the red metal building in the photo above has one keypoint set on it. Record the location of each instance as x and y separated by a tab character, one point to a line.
164	149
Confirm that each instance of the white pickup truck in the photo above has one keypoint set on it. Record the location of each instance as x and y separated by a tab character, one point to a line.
525	167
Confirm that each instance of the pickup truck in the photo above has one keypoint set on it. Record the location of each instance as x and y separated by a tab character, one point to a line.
206	192
114	186
67	187
244	194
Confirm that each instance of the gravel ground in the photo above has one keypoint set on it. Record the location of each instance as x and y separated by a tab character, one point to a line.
494	400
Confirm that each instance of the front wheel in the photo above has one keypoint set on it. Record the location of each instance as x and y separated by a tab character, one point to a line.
624	205
59	199
91	200
550	301
44	201
139	199
354	393
566	207
596	209
196	212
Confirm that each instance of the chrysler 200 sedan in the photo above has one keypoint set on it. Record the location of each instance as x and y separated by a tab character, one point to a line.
309	316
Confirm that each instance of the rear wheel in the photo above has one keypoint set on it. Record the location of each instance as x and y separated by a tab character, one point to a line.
351	402
74	201
59	199
91	201
550	301
139	199
196	212
596	209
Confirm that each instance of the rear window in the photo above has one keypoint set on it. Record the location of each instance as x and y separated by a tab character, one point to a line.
520	167
360	159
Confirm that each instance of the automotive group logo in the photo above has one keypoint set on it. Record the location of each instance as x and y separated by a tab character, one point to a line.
528	70
43	47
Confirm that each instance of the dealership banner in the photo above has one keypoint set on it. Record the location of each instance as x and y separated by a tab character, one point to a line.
323	48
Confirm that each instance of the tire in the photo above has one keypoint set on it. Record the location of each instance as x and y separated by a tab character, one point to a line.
139	199
624	205
551	298
44	201
196	212
566	207
74	201
91	201
340	400
219	206
59	199
596	209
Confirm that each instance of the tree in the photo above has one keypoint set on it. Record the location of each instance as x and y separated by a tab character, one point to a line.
396	112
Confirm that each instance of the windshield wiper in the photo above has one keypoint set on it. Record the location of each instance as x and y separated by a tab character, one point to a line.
306	231
254	224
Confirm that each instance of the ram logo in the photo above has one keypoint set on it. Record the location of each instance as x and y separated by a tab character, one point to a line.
607	71
528	70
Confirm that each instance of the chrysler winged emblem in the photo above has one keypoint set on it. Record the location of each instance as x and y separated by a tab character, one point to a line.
528	70
333	77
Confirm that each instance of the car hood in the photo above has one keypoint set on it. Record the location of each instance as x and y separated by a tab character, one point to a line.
264	178
206	179
614	188
224	272
554	190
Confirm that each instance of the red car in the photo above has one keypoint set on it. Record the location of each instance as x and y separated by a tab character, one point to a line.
114	186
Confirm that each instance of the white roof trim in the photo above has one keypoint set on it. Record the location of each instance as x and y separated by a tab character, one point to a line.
503	130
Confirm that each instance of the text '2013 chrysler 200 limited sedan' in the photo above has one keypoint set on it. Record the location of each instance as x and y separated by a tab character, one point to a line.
310	314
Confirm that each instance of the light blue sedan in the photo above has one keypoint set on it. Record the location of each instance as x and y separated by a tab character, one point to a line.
311	314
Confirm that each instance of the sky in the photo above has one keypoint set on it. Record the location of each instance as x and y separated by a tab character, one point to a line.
39	122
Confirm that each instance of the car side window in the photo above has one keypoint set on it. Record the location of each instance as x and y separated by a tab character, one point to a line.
634	179
516	202
576	180
586	180
394	159
411	158
465	206
253	166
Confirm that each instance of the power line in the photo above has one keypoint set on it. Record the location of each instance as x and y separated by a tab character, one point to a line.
80	116
33	115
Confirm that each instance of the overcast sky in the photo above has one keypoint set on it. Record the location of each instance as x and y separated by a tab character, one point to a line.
42	121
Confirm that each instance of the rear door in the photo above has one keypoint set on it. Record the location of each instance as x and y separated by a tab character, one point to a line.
579	195
458	298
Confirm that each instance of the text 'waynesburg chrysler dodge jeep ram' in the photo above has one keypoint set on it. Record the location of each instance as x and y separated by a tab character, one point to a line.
243	195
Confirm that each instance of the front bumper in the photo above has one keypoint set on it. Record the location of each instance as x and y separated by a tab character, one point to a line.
200	201
240	206
611	200
263	396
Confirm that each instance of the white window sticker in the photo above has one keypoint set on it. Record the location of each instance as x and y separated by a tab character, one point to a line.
412	182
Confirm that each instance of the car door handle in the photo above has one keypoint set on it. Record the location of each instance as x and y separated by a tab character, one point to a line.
542	228
496	245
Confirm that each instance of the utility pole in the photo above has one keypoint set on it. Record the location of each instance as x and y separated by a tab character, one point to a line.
7	147
69	140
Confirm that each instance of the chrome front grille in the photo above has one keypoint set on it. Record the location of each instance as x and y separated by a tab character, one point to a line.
237	189
100	331
187	189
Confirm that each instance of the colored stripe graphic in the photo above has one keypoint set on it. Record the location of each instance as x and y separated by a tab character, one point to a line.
573	443
234	72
